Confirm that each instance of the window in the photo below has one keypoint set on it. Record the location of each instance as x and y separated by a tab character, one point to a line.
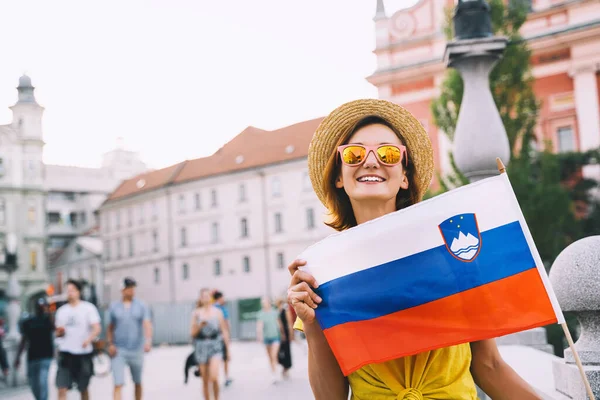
197	202
130	245
2	211
280	261
33	260
118	248
31	214
107	250
156	275
73	219
185	272
215	232
82	218
130	216
2	171
276	187
566	139
32	167
306	185
155	241
52	218
181	204
213	198
154	211
246	264
278	223
244	227
310	218
183	237
242	190
118	217
217	267
141	213
106	222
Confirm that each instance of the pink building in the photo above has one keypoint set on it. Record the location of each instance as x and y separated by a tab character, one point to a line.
564	37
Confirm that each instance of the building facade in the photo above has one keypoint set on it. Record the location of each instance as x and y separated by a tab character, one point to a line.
232	221
48	206
75	193
22	194
564	37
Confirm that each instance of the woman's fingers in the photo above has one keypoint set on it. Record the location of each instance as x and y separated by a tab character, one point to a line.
304	287
293	267
303	276
301	298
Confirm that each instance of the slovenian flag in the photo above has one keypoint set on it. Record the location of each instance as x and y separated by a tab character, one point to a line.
457	268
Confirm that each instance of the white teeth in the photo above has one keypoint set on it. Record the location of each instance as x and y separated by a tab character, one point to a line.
370	179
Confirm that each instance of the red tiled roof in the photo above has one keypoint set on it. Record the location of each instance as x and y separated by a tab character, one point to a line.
251	148
145	182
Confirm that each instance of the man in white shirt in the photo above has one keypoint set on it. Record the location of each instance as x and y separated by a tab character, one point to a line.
77	325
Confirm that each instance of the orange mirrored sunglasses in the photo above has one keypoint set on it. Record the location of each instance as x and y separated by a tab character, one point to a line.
387	154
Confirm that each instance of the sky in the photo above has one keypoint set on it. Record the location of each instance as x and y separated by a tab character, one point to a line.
177	79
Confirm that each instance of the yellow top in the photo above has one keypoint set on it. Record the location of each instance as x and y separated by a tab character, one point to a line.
441	374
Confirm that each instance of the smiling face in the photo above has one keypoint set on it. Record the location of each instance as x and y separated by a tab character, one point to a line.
372	181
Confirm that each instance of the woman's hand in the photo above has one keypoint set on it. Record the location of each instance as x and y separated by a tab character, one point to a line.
300	293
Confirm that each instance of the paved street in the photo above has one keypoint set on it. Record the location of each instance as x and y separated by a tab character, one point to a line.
163	378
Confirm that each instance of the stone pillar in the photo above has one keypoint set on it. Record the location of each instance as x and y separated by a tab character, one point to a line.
480	136
588	112
575	276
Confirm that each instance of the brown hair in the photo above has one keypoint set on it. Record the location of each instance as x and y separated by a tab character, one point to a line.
340	208
199	303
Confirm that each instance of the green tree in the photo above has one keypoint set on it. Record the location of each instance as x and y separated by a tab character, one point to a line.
548	186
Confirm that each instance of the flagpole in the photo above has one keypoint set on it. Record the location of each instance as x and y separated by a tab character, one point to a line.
588	388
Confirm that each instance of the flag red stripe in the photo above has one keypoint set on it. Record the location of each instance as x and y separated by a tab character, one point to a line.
505	306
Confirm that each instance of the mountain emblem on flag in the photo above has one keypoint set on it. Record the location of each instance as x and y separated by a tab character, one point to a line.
461	236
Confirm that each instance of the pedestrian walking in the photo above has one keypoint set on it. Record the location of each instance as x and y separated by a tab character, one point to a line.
219	302
210	335
268	331
284	355
129	336
77	326
37	337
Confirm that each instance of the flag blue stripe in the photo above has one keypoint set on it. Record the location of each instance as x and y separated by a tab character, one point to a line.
421	278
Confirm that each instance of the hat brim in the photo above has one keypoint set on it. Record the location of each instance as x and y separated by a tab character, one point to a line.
324	141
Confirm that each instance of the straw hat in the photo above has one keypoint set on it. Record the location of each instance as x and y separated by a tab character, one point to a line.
325	139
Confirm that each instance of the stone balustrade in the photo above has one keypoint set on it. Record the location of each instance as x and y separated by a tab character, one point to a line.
575	276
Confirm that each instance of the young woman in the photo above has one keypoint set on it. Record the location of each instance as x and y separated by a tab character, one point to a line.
369	158
268	331
210	334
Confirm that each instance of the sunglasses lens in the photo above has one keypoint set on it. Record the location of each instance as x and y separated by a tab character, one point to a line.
389	154
353	155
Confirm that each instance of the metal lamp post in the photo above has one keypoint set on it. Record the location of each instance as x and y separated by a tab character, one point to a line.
480	136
